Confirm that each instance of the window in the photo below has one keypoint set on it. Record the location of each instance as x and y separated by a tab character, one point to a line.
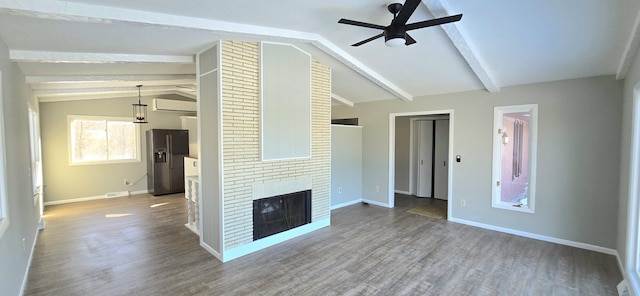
36	164
514	157
96	140
4	211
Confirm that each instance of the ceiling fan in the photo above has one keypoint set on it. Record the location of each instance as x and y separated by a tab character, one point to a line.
396	34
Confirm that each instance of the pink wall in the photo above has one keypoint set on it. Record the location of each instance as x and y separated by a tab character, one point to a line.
511	188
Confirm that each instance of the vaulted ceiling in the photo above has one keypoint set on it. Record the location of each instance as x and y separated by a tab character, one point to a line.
91	49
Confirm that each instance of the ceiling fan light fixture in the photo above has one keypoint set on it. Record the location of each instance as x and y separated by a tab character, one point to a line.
395	42
394	36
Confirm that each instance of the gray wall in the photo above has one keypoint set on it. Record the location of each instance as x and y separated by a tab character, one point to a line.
346	164
631	81
403	156
578	145
23	214
63	181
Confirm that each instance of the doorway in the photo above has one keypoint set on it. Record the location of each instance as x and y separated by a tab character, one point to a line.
429	143
392	154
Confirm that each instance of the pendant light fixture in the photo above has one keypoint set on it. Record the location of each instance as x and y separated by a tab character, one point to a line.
139	110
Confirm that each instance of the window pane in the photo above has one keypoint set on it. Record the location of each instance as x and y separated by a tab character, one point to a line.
515	157
122	140
88	140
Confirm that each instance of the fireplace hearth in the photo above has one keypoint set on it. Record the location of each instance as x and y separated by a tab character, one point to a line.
276	214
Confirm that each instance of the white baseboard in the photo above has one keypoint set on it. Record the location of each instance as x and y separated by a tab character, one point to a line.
117	194
138	192
26	272
65	201
344	204
269	241
538	237
376	203
403	192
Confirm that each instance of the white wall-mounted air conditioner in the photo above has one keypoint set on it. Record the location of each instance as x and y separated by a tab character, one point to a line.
174	105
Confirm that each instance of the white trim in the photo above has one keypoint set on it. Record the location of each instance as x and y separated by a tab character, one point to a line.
538	236
392	149
633	211
26	271
4	203
438	8
403	192
269	241
377	203
342	100
94	58
88	198
345	204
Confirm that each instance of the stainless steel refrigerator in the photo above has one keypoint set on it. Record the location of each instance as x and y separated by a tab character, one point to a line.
166	150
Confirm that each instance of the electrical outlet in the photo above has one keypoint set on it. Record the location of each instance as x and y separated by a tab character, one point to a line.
339	189
377	188
463	203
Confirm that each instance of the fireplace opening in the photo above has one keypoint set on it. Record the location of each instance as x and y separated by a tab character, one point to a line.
276	214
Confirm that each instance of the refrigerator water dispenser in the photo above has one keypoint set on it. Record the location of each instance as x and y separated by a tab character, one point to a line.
160	155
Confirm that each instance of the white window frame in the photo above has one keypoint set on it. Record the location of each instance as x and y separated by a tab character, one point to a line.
498	113
36	153
4	207
633	213
70	118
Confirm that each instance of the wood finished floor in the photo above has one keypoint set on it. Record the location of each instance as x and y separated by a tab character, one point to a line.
124	246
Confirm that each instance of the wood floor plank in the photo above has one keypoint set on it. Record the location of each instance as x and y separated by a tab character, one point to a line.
139	246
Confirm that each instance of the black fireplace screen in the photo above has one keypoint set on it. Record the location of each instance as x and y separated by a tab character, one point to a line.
276	214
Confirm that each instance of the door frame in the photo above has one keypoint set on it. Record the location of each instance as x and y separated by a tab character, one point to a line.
392	152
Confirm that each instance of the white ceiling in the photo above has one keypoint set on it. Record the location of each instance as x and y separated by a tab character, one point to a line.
83	49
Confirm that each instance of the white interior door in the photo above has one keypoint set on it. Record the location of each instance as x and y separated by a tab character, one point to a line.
425	157
441	165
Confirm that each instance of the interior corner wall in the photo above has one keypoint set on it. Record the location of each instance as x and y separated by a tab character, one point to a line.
631	81
346	165
241	136
578	145
16	245
63	181
403	154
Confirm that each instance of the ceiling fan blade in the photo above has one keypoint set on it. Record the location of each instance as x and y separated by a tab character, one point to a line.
405	13
408	40
360	24
368	40
434	22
